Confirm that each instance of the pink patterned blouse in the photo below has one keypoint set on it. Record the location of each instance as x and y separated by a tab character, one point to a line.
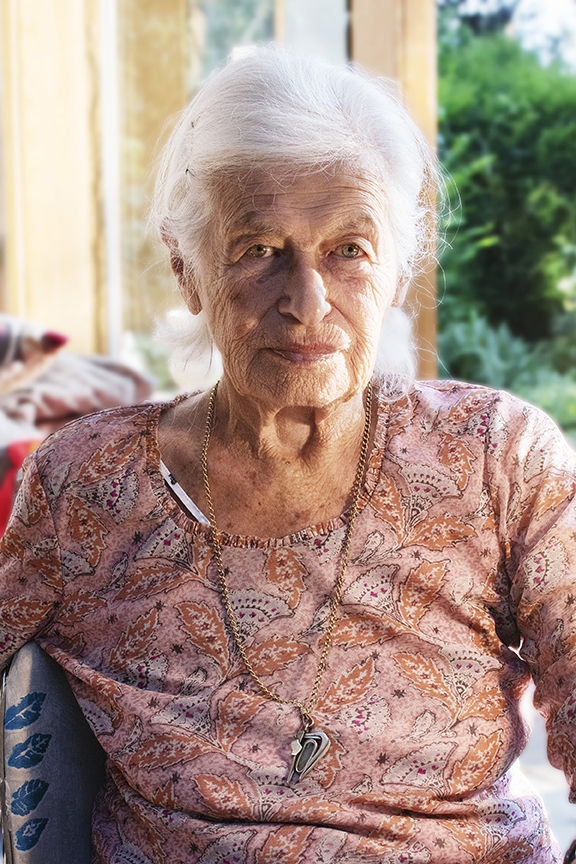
461	584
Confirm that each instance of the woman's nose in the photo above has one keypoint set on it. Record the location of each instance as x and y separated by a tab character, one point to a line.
304	297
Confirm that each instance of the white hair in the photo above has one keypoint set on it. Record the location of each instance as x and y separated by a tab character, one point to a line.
285	112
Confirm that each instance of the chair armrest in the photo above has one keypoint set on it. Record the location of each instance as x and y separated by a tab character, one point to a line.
52	765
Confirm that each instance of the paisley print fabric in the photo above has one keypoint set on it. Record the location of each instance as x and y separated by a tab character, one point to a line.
460	586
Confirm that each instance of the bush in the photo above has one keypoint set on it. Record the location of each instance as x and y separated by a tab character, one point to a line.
507	135
471	349
508	139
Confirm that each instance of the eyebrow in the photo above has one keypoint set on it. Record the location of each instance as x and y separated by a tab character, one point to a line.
365	221
253	224
250	232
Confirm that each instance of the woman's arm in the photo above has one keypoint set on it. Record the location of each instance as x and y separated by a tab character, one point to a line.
534	483
30	568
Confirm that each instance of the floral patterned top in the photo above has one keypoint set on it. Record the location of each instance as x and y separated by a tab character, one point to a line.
460	586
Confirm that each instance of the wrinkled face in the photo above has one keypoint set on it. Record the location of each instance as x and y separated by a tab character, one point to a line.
295	281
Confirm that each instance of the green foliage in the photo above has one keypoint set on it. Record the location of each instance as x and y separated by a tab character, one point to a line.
508	139
473	350
155	359
555	394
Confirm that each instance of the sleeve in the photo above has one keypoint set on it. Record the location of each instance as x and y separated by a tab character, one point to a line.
30	569
535	476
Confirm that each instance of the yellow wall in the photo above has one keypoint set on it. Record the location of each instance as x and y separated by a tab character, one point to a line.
153	40
54	254
397	38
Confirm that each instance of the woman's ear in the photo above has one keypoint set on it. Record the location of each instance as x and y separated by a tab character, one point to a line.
400	293
191	297
186	282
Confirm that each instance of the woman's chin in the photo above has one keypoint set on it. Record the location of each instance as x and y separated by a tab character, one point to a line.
304	387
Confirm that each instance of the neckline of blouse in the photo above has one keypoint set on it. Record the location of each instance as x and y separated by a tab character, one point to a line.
182	520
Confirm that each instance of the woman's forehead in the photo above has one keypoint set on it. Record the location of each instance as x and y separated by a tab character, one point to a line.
343	195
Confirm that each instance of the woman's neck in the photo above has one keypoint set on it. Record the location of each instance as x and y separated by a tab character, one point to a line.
272	472
274	434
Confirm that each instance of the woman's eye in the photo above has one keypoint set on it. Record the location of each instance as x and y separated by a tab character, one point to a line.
259	250
349	250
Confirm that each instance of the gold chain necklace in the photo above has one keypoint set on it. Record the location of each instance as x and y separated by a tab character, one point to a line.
311	744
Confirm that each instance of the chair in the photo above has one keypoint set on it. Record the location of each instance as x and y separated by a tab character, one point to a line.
52	765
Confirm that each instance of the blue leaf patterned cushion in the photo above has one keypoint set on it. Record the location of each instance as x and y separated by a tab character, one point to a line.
28	796
52	764
25	712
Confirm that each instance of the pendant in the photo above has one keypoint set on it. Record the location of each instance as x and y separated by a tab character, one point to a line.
307	749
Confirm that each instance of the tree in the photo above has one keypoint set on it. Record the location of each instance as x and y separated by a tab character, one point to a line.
483	16
508	139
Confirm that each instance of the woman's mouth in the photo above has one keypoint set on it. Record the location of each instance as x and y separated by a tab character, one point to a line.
306	354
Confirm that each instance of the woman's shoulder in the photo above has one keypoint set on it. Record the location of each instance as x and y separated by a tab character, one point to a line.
427	405
102	424
499	421
102	439
463	409
445	394
461	399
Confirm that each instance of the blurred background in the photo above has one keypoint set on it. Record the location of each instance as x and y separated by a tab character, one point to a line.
507	137
89	90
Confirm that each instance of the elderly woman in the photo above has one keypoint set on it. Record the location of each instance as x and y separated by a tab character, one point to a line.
299	610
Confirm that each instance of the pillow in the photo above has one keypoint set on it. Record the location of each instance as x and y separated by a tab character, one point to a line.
26	349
